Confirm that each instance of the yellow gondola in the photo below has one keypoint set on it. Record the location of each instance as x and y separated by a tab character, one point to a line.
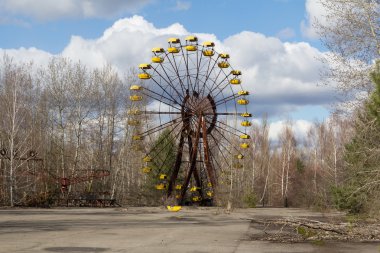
162	176
146	170
132	122
191	48
224	56
246	115
194	189
235	81
243	92
144	76
160	186
209	193
244	145
246	123
239	156
245	136
157	59
135	98
209	184
174	40
243	102
158	50
196	198
174	208
208	53
223	64
177	196
147	159
135	87
178	187
133	112
145	66
137	138
191	38
236	72
173	50
208	44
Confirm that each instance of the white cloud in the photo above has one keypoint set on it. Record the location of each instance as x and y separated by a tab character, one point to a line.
49	10
281	76
300	129
314	11
286	33
182	5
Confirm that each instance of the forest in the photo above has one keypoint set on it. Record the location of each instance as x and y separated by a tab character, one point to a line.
67	122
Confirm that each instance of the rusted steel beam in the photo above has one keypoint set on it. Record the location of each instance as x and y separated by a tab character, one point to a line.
177	164
209	167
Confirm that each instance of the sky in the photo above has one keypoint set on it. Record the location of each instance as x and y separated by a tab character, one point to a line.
273	42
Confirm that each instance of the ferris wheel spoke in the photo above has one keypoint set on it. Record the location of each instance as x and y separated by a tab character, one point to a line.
170	82
158	99
177	163
228	141
175	67
220	151
216	161
157	128
165	91
208	73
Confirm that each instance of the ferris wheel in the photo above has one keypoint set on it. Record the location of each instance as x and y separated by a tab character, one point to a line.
190	118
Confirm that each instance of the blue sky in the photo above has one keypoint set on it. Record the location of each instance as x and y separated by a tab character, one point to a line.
279	53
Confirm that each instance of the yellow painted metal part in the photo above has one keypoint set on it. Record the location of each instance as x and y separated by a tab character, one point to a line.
135	87
246	115
223	64
209	194
243	92
246	123
174	208
133	112
160	186
177	196
208	52
178	187
132	122
174	40
243	102
135	98
235	81
245	136
137	138
224	56
191	48
196	198
158	50
146	170
191	38
147	159
236	72
209	184
144	76
145	66
162	176
244	145
173	50
194	189
157	59
240	156
208	44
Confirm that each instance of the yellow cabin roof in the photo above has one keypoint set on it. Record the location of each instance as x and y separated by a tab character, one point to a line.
160	186
178	187
243	102
147	159
236	72
191	38
196	198
208	44
243	92
235	81
146	170
144	76
245	136
135	98
135	87
208	52
158	50
244	145
223	64
162	176
246	123
246	115
209	193
137	138
239	156
144	66
224	56
194	188
174	40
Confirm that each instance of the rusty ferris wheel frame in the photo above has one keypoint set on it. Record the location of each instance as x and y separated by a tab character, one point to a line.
192	91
